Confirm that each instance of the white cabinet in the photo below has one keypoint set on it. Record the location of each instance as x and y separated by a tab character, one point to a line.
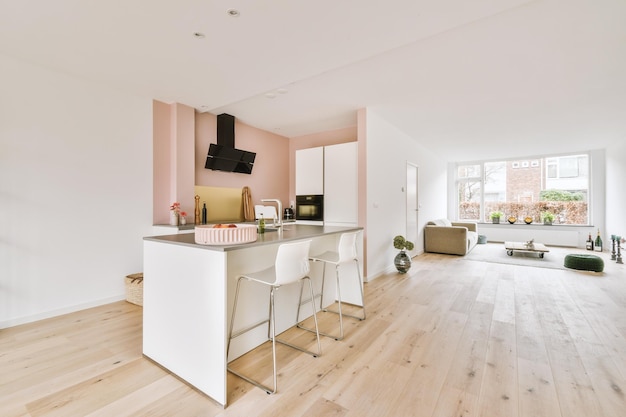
333	172
310	171
341	184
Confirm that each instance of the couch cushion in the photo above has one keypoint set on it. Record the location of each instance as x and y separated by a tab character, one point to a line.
440	222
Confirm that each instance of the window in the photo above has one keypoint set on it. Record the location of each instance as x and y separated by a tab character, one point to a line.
470	190
568	167
555	184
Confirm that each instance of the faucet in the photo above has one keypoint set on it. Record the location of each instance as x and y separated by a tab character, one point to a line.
279	221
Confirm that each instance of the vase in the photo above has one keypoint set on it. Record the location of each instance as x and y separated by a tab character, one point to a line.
183	220
402	262
173	218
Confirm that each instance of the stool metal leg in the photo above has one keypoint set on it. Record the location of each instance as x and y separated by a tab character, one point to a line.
273	327
271	332
271	335
360	289
316	330
339	311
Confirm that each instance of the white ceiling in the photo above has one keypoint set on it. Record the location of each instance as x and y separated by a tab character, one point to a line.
470	79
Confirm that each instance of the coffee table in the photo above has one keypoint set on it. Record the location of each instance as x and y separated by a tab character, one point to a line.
538	248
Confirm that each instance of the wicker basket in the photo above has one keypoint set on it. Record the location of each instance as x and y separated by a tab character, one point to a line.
134	288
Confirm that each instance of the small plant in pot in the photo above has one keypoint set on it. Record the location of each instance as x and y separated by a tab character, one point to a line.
495	216
402	261
547	217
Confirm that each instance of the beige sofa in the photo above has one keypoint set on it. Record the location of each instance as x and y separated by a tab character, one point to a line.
454	238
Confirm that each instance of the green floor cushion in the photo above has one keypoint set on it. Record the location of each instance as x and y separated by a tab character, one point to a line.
584	262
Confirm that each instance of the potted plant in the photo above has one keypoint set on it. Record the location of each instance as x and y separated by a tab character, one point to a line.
547	217
495	216
402	261
174	210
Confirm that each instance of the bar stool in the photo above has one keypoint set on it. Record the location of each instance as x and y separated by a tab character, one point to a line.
291	266
346	253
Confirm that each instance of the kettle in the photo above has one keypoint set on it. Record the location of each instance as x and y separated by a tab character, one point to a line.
288	214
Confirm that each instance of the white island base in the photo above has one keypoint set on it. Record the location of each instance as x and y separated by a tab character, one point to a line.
189	294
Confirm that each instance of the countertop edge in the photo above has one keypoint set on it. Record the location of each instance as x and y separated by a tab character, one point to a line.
291	233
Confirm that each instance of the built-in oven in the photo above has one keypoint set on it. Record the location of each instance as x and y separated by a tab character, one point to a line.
310	207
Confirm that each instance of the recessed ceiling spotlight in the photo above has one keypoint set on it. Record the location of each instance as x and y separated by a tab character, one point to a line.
198	35
233	12
282	91
270	95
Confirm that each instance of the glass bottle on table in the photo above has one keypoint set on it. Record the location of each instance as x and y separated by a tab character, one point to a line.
598	243
589	243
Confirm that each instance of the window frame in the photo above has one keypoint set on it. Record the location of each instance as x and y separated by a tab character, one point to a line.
516	163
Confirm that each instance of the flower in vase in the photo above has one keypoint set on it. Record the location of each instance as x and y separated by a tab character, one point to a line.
175	207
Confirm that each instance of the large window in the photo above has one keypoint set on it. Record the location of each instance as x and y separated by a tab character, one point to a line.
525	188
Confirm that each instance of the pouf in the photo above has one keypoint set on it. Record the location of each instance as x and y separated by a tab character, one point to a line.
584	262
482	239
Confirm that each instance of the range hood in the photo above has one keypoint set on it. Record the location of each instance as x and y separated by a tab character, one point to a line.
223	156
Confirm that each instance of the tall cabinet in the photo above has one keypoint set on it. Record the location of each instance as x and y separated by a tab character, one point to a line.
341	184
333	172
310	171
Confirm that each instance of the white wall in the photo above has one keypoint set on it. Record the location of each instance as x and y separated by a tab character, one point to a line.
75	191
388	151
615	191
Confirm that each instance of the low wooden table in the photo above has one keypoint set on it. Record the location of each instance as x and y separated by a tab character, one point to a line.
538	248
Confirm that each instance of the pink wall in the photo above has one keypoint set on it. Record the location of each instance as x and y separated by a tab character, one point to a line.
161	166
173	170
270	175
181	143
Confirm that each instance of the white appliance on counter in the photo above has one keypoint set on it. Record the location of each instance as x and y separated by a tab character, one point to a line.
267	212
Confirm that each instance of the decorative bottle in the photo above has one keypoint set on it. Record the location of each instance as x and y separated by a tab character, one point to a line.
204	213
261	224
598	244
589	243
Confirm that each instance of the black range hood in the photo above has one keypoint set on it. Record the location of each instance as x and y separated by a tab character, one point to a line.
223	156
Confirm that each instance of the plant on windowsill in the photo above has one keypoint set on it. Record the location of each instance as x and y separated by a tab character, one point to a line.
402	261
495	216
547	217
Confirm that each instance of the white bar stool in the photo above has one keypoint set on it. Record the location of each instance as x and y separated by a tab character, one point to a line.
346	253
291	266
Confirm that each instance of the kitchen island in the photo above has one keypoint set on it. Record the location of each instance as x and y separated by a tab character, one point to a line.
189	295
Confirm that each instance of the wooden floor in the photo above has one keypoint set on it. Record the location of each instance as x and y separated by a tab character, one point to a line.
451	338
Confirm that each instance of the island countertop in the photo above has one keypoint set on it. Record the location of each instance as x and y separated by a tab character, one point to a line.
189	295
286	233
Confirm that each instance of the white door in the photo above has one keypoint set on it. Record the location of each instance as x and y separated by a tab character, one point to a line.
412	208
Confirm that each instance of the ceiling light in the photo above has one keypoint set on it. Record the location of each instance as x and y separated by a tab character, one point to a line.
198	35
282	91
270	95
233	12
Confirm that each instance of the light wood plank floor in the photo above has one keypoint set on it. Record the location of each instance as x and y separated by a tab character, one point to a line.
452	337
